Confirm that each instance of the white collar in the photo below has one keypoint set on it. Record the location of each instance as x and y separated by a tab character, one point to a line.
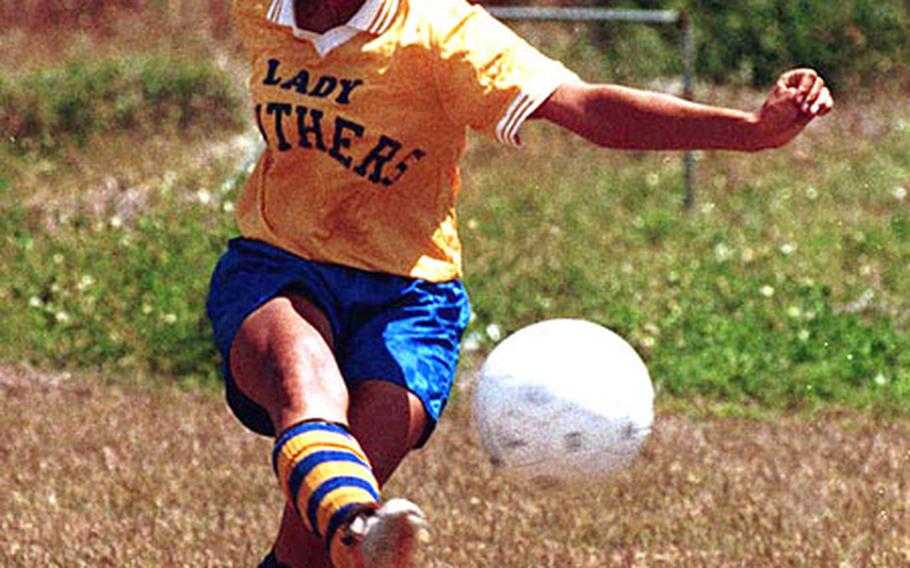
374	17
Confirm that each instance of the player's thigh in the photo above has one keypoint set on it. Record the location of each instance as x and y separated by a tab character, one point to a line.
388	421
282	359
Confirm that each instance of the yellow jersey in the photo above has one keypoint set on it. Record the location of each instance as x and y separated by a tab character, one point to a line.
366	123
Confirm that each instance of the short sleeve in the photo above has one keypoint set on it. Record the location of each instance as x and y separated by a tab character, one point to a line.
488	77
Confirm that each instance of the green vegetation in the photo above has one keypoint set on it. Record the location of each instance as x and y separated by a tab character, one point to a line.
856	44
48	109
787	286
96	293
850	41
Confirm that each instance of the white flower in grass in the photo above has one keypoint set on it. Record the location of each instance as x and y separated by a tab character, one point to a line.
204	196
899	193
86	282
722	252
170	319
812	193
881	380
228	207
62	317
116	222
472	342
804	335
766	291
788	248
35	302
146	309
494	332
794	312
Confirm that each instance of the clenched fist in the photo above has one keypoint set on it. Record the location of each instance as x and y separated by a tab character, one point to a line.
797	98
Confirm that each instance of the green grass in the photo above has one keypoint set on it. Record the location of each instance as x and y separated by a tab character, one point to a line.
786	287
101	295
789	290
45	110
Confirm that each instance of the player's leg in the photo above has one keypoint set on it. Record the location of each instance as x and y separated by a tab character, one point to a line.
281	359
388	421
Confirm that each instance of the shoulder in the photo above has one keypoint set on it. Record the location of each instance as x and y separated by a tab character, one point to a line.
249	15
253	22
252	9
442	17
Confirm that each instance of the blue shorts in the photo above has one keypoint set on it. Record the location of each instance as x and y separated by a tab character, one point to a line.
384	327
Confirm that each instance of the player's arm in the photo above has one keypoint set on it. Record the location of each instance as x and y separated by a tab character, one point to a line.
620	117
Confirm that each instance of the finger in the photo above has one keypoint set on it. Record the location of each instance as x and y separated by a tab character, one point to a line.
806	81
791	79
812	96
794	77
824	104
785	90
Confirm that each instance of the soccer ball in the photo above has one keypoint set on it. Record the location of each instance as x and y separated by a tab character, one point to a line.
563	401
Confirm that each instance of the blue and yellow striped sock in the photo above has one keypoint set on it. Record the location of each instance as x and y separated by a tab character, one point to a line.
326	475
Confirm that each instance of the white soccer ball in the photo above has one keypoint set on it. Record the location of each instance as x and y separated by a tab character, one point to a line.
563	400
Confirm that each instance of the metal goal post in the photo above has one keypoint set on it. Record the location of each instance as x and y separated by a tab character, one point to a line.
674	17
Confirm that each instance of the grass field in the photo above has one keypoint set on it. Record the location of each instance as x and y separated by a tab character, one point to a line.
131	476
774	317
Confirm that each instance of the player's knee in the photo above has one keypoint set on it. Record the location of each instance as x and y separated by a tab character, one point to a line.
307	387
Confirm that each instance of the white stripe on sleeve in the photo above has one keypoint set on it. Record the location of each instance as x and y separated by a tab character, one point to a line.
531	97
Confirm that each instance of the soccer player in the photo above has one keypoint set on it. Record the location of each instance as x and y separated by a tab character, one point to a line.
339	310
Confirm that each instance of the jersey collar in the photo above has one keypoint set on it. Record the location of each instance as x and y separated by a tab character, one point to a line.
374	17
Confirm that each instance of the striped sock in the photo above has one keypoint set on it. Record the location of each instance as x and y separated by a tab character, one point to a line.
327	476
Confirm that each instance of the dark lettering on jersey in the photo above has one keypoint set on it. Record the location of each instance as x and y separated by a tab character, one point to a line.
347	87
314	127
279	110
342	141
401	167
377	165
378	157
325	86
271	76
299	83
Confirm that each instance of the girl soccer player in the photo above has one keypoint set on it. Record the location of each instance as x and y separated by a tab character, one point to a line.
340	310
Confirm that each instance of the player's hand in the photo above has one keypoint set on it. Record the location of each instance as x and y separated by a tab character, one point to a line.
798	97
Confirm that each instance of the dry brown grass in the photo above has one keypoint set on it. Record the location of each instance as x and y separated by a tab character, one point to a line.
100	475
42	33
